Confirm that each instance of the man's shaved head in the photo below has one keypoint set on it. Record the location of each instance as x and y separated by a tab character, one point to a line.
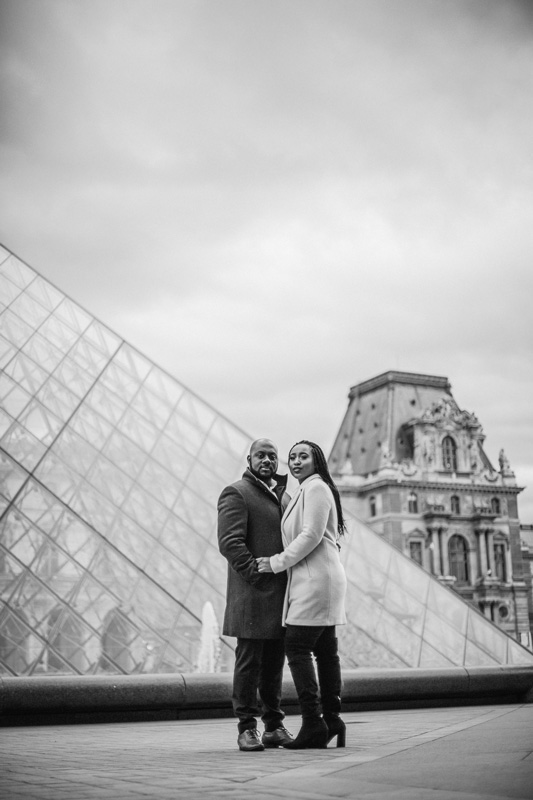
262	443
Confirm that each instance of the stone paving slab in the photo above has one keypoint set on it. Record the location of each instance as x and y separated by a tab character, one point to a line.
465	753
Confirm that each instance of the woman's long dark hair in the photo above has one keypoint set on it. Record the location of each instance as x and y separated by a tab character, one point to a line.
321	466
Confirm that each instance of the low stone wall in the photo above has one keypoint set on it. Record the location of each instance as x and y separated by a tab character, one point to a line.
77	699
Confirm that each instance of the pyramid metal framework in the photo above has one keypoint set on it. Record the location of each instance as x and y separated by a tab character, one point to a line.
110	470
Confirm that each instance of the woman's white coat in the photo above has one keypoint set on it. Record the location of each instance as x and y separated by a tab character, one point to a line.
316	586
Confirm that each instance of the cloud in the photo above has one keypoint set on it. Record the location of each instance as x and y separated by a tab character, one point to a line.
276	200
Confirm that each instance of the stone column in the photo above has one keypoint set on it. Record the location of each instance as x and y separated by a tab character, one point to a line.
481	552
444	551
489	541
508	563
473	563
434	550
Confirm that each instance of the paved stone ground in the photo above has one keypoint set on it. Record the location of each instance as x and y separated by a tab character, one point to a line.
473	753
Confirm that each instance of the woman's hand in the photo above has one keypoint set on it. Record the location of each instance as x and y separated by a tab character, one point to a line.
263	564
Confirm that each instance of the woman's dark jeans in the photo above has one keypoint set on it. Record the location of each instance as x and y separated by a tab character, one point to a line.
301	643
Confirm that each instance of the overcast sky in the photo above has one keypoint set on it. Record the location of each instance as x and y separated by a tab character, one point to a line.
277	199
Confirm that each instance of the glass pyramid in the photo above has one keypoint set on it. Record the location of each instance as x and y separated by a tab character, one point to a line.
110	470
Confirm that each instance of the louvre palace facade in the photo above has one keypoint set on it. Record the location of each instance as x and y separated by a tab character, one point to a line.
412	465
110	471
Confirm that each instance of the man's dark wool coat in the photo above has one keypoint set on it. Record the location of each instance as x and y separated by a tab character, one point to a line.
249	526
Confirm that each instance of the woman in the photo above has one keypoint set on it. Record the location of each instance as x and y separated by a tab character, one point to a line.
314	600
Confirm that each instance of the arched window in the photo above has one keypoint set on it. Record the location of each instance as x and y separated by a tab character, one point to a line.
372	503
412	503
458	558
449	454
495	505
455	504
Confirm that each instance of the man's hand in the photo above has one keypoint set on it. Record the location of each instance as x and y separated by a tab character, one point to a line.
263	564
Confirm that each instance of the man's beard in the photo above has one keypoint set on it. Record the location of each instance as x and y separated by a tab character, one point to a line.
261	477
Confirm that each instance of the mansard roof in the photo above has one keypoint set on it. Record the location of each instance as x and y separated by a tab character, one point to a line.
379	407
396	377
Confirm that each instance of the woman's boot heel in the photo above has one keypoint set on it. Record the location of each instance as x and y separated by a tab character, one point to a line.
341	737
336	727
312	734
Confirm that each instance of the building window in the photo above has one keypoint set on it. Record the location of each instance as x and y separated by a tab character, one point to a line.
455	504
503	612
372	503
499	562
412	503
458	558
449	454
415	552
495	505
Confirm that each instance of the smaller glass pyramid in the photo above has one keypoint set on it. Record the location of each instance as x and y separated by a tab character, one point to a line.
401	616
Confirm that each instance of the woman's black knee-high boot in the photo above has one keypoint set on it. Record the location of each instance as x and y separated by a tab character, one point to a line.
314	731
329	678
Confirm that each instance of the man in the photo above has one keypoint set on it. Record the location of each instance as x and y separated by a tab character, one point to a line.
249	517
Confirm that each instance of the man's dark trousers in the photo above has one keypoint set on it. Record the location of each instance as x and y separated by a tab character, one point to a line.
258	662
249	526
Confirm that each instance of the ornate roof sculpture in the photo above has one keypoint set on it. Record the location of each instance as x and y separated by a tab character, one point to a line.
110	470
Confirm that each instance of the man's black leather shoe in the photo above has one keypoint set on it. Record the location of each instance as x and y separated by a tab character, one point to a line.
277	738
250	740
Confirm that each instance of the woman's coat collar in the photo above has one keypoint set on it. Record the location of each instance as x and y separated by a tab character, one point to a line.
294	498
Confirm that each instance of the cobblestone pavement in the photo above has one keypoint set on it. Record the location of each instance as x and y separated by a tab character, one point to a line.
468	753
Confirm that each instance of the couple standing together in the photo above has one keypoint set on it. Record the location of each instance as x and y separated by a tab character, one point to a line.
285	595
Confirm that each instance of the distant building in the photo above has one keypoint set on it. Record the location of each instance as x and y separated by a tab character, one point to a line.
526	536
411	463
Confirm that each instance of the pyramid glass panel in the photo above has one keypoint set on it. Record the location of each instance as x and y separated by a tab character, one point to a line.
28	309
12	396
43	352
72	315
13	329
7	351
110	470
57	398
22	446
9	292
73	377
44	293
58	333
5	422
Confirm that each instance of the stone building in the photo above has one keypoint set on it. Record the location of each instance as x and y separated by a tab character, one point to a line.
526	536
410	462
